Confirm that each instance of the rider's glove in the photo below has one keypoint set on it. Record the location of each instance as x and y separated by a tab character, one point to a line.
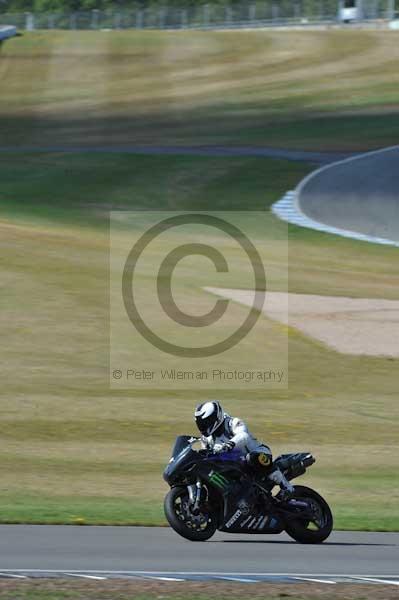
227	446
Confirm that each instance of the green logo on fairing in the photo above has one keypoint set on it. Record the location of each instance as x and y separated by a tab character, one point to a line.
218	480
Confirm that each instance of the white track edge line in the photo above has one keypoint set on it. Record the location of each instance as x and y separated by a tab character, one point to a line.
213	573
314	580
238	578
160	578
285	209
378	580
82	575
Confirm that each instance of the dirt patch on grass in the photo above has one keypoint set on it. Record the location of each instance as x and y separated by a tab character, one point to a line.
349	325
122	589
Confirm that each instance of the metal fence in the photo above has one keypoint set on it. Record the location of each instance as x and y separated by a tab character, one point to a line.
204	16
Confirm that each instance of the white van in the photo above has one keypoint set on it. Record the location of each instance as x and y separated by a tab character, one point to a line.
349	11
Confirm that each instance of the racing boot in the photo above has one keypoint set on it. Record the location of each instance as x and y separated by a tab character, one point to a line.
286	488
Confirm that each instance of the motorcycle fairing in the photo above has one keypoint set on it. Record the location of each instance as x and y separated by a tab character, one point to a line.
242	513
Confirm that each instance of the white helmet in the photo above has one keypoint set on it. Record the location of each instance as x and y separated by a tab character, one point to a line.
209	416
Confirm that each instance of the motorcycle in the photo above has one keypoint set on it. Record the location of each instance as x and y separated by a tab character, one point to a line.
217	491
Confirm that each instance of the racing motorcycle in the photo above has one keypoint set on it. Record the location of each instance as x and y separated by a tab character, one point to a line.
217	491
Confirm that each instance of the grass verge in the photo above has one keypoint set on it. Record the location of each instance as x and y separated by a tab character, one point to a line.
71	448
327	90
148	590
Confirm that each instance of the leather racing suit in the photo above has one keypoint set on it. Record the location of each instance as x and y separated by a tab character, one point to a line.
233	433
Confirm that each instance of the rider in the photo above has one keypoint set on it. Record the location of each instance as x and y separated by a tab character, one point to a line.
221	432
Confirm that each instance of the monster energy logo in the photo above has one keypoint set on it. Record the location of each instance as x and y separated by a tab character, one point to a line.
218	480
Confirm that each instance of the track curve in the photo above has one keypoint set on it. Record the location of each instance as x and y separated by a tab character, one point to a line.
358	194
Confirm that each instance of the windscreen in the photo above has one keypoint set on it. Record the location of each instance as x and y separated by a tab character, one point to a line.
182	441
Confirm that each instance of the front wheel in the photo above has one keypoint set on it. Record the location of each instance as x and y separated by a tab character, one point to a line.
318	526
196	528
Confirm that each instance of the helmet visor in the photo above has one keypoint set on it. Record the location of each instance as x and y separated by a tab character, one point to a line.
205	425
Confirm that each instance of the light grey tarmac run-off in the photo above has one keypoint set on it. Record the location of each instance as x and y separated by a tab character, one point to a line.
157	550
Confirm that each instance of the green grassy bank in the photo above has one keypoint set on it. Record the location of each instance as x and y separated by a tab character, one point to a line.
73	451
335	90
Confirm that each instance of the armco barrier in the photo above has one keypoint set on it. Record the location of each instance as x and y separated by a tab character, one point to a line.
7	31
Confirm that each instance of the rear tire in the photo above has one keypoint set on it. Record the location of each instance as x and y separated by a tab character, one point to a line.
195	528
300	530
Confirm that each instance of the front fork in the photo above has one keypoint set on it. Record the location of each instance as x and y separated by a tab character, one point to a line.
194	493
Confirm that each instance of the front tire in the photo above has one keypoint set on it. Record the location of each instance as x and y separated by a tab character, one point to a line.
196	528
316	530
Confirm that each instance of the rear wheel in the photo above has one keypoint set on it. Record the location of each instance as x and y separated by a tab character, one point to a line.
319	523
196	528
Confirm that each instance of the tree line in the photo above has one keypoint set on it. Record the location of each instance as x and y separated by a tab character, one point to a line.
67	6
